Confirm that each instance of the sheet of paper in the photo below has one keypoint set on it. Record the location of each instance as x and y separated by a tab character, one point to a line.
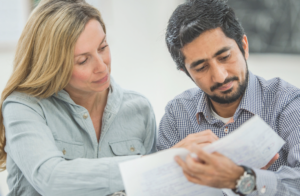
160	175
253	144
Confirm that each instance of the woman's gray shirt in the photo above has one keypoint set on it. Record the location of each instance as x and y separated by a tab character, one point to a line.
52	148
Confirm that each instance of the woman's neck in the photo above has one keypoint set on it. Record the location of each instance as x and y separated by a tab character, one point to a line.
93	102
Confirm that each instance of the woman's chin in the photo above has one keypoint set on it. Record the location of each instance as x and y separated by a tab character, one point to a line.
101	88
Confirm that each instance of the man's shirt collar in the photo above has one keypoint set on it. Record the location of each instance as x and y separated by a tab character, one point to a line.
252	101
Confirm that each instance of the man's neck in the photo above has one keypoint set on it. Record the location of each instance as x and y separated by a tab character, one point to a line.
225	110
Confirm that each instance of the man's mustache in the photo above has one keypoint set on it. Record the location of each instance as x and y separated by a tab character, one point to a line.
227	80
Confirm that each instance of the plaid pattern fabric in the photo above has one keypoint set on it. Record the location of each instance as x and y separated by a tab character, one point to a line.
275	101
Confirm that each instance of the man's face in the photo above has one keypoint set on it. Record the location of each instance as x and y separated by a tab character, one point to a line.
217	65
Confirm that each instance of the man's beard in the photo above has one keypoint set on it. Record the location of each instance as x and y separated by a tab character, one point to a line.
235	96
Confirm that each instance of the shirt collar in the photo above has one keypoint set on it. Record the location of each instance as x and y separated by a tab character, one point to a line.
114	100
203	107
252	100
115	97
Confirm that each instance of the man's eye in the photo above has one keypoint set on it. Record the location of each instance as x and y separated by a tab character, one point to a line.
201	69
81	63
224	58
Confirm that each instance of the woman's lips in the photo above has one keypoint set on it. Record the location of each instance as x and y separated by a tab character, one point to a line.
103	80
226	86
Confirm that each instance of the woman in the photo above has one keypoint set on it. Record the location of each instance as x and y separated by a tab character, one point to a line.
65	123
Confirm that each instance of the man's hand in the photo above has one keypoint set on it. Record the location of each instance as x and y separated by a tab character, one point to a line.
214	170
271	162
201	139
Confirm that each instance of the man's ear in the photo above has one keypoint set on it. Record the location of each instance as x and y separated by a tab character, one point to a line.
246	46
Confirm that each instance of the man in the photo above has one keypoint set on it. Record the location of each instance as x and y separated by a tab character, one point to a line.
207	42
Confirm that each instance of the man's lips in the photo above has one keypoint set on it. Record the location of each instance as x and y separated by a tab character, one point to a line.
226	87
103	80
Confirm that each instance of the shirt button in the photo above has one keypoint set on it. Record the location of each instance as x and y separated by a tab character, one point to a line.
64	151
132	149
85	116
99	149
226	130
263	190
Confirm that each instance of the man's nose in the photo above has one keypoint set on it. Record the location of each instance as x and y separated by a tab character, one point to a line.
218	73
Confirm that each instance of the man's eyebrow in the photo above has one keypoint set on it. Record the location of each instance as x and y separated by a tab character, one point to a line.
196	63
222	50
99	45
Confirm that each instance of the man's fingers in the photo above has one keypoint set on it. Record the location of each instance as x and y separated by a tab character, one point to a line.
202	155
276	157
203	137
203	145
205	133
184	166
194	164
192	178
271	161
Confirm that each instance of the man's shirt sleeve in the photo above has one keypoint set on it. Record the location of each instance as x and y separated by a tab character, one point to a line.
168	134
286	180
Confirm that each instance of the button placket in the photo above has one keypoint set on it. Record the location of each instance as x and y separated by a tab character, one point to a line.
226	130
85	116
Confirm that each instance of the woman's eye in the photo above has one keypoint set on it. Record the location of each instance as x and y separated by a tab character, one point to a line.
103	47
81	63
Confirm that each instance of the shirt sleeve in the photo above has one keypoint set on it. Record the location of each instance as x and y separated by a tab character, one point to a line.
30	143
286	180
150	141
168	134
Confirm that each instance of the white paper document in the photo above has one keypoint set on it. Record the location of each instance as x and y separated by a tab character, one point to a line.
253	144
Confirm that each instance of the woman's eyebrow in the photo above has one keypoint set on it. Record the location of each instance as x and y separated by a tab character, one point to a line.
88	52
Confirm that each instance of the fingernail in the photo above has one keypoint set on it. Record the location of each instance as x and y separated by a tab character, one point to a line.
194	156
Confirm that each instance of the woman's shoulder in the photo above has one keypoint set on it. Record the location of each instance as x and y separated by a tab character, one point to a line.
21	98
18	101
130	95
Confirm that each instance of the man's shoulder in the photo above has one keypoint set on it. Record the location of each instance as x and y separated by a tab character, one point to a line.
188	97
278	88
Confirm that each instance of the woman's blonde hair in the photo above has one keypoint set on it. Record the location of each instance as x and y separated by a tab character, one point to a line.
44	57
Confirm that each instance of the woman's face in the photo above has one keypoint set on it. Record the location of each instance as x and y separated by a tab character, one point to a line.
91	72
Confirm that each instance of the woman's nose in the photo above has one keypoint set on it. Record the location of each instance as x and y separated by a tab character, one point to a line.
100	65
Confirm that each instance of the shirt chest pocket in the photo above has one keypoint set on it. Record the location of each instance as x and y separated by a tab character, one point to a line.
70	150
127	147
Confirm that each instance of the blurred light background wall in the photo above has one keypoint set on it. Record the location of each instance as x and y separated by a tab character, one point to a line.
140	60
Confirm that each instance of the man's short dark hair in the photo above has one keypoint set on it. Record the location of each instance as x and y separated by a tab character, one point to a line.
194	17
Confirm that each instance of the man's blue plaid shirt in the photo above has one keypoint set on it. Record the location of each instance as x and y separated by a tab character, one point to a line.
275	101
